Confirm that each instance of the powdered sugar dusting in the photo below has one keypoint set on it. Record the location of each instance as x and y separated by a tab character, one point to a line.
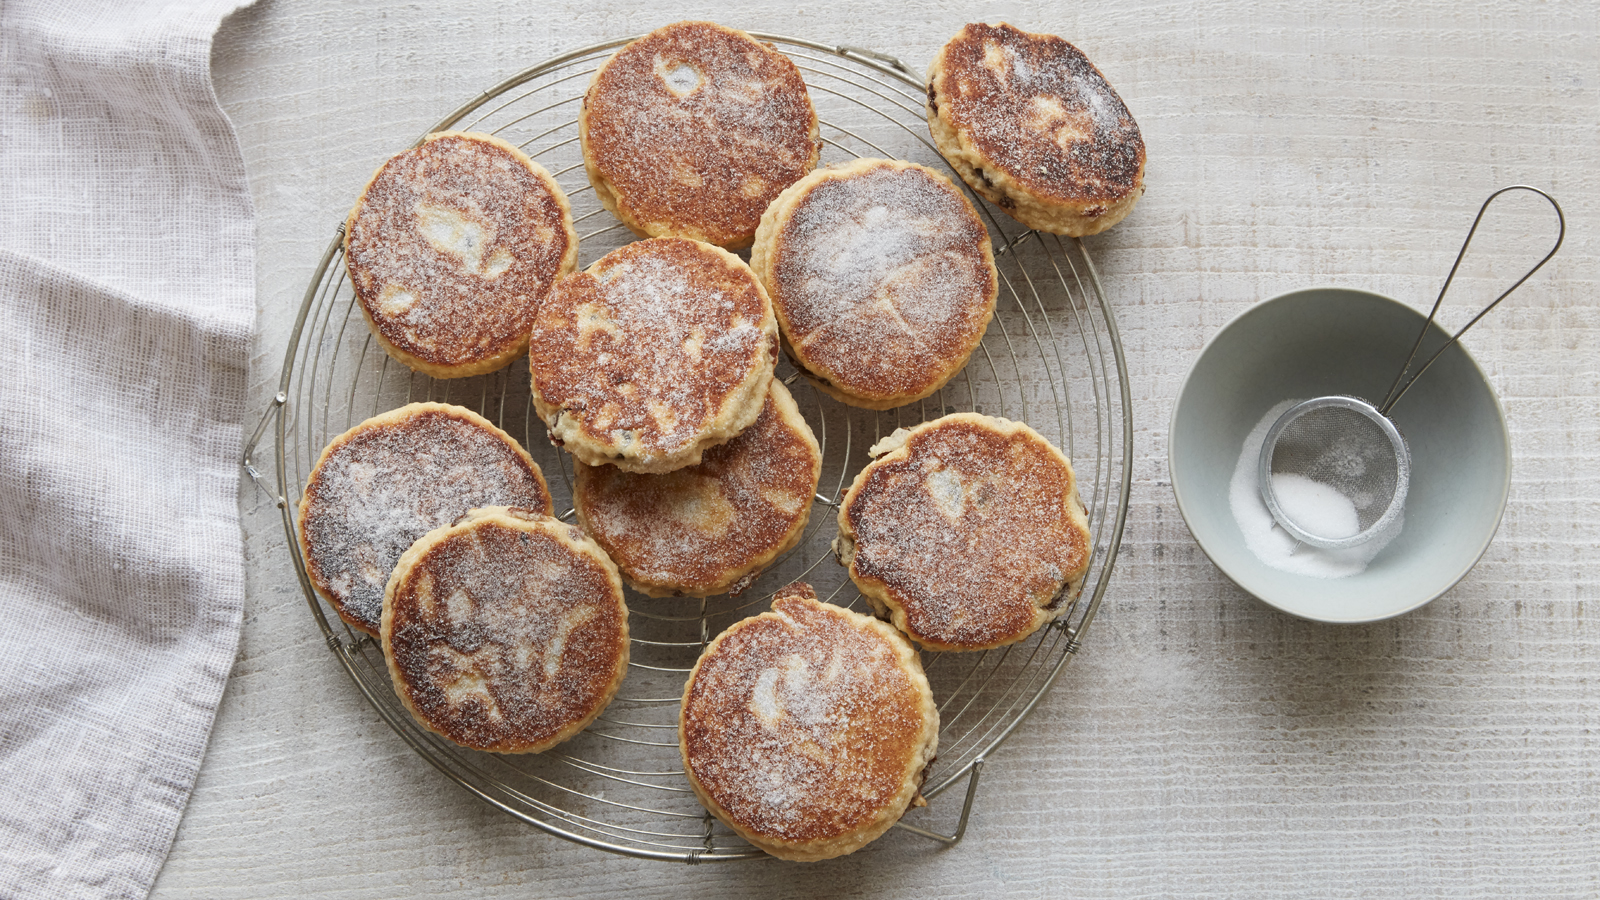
802	725
531	646
1037	108
699	528
391	480
451	247
970	531
881	280
651	345
696	127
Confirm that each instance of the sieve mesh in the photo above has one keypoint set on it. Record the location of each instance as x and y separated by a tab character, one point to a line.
1343	449
1345	444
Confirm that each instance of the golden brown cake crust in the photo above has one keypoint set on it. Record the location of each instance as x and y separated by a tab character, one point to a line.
882	278
451	246
659	350
1033	126
691	130
390	480
705	529
966	531
808	729
506	631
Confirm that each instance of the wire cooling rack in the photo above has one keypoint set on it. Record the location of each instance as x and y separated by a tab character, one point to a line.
1051	358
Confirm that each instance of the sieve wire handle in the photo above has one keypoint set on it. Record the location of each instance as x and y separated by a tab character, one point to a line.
1398	389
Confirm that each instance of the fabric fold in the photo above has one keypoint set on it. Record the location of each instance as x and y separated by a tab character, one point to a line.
126	303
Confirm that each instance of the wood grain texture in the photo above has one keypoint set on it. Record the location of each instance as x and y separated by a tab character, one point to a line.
1202	745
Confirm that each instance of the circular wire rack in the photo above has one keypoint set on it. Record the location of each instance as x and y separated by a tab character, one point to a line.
1051	358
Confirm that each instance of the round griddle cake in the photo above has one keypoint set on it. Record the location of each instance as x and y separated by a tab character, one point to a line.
691	130
506	631
1034	127
967	532
705	529
451	246
808	730
390	480
882	278
659	350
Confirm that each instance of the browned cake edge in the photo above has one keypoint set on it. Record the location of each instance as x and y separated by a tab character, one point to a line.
895	447
997	186
911	792
518	519
394	416
569	262
762	257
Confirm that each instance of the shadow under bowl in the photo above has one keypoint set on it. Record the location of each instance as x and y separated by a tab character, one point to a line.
1321	341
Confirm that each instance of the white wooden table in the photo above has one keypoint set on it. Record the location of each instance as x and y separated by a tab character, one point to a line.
1202	744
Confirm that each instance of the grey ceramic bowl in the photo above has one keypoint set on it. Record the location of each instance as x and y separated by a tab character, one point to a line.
1340	341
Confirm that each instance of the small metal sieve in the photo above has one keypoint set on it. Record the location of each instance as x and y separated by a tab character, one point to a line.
1327	452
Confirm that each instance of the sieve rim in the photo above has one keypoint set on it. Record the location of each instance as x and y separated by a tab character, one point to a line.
1402	475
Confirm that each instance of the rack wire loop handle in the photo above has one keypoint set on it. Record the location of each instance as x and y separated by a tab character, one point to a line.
1398	390
891	61
247	461
950	840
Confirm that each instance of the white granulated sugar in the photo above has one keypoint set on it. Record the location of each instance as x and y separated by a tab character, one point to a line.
793	693
570	621
949	493
764	699
1021	72
681	80
1306	501
735	340
448	231
1316	507
396	301
1081	84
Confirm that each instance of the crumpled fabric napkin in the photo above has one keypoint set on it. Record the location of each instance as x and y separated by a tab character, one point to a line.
126	303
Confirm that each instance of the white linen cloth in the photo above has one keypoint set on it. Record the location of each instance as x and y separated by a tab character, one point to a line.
126	302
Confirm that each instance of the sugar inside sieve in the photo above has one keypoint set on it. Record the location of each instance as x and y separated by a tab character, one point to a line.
1334	472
